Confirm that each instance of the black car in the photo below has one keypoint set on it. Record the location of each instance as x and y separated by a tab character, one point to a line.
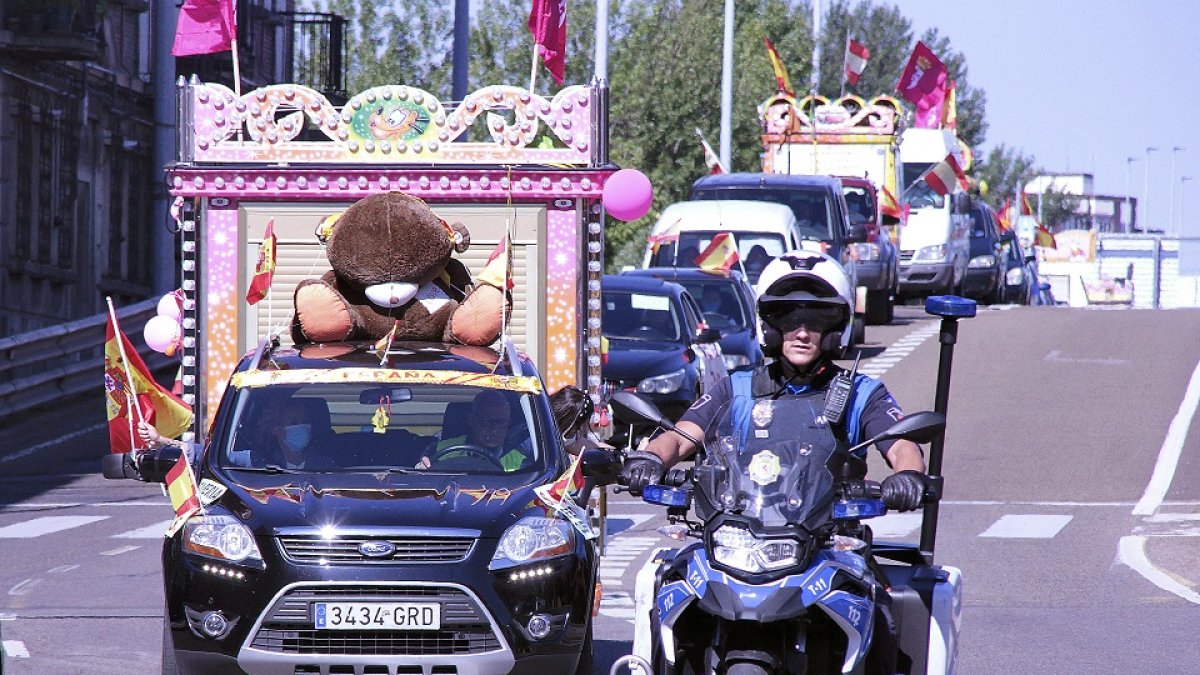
727	304
1020	272
399	542
984	279
658	344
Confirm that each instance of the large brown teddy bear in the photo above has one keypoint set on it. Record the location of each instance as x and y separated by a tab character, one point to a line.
392	266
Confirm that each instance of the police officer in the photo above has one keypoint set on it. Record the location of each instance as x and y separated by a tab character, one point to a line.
805	303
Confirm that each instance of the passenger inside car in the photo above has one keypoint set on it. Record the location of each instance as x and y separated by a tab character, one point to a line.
288	433
485	439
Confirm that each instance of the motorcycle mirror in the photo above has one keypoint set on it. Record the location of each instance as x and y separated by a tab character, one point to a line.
601	465
919	427
633	409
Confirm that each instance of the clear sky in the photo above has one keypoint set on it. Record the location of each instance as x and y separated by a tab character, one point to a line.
1083	84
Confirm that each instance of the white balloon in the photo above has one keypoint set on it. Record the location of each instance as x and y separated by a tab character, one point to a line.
162	333
168	306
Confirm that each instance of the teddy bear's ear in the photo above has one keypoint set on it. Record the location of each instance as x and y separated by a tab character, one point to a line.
460	238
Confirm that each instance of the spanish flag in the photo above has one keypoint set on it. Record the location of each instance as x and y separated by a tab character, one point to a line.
497	271
155	403
781	76
1002	220
720	255
950	107
264	271
1043	238
565	487
181	488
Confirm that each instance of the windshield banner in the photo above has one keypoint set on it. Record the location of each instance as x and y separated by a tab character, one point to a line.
261	378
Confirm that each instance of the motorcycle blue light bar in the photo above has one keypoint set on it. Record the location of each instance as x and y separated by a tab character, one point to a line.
665	496
950	305
857	509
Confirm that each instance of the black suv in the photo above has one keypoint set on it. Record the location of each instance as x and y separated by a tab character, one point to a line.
984	279
365	517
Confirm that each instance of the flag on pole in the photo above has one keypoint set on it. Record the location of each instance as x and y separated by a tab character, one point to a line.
781	77
1002	220
669	235
1043	237
950	107
384	344
497	271
565	487
923	83
264	270
127	402
946	176
719	256
205	27
1026	209
711	160
548	24
890	206
181	488
857	56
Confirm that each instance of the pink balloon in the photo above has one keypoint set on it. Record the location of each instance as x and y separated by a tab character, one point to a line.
162	334
168	306
628	194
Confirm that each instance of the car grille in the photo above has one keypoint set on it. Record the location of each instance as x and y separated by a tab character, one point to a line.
288	625
906	256
343	550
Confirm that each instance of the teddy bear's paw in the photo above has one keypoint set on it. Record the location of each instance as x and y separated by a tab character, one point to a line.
323	314
478	319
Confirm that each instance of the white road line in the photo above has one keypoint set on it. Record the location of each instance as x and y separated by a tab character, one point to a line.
121	549
896	524
1027	526
61	569
51	443
15	649
45	525
1172	448
154	531
24	586
1132	552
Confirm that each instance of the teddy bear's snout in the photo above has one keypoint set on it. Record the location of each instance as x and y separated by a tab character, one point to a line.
392	294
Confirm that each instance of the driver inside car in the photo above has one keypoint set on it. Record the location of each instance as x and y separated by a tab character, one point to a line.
487	435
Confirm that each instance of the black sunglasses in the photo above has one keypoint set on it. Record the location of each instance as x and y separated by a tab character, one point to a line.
818	318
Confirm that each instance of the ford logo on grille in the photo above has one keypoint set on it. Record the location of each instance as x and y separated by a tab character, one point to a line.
377	549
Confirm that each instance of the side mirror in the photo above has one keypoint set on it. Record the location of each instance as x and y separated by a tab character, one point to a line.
858	233
1030	258
919	427
602	466
709	336
633	409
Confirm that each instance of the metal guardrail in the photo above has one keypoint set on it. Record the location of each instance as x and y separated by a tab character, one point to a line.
61	362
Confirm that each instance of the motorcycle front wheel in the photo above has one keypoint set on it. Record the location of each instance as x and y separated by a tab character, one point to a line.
745	668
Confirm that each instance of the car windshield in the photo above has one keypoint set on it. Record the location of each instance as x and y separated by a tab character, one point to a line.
755	250
919	195
335	427
860	203
641	316
810	206
718	299
981	239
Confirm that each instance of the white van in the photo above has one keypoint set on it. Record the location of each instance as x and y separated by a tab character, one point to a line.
763	231
935	242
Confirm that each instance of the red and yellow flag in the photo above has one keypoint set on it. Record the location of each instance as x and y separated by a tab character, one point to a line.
155	403
720	255
1043	238
565	487
497	271
950	107
1002	220
781	76
946	177
181	487
264	270
1026	208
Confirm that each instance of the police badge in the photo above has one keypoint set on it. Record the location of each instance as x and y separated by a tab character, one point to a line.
764	468
762	413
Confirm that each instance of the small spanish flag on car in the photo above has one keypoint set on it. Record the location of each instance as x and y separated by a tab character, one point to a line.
720	255
181	488
264	270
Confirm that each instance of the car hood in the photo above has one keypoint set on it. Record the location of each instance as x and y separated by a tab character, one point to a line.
485	503
638	359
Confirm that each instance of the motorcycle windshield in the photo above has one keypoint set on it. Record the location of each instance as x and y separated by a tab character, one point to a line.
769	460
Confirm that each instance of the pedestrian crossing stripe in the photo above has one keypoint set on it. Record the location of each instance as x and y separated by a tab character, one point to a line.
45	525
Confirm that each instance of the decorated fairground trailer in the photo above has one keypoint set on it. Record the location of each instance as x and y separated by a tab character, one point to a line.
283	152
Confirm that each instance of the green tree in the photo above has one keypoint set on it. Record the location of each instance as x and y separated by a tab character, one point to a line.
1005	169
1060	210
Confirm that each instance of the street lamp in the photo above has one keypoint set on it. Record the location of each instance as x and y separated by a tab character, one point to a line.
1146	189
1174	151
1182	200
1128	209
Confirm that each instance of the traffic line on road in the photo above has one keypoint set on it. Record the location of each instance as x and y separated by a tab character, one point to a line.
154	531
1027	526
1131	551
878	365
45	525
24	586
15	649
1172	448
120	550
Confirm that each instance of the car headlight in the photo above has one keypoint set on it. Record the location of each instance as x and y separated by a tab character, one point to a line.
533	538
221	537
867	252
1014	277
735	546
735	361
662	384
935	253
982	261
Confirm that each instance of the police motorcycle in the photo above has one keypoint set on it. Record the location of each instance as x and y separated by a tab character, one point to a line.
785	577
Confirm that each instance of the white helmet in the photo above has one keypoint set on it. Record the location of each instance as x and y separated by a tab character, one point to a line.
808	278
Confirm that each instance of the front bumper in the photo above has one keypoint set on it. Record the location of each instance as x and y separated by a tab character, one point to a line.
873	274
927	278
980	282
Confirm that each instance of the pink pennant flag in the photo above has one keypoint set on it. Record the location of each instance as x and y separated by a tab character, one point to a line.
923	84
205	27
548	23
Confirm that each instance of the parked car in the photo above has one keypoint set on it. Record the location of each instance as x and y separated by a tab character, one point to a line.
876	258
401	541
1020	271
762	230
984	279
658	344
727	304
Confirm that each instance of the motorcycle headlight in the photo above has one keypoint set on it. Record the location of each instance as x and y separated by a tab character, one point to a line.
532	538
1014	277
735	361
735	546
935	253
982	261
867	252
662	384
221	537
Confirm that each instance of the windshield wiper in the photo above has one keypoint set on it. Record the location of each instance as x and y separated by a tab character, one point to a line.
270	468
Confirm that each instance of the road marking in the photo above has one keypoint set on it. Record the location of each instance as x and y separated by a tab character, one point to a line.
154	531
895	525
1027	526
45	525
1172	448
62	568
1132	552
122	549
878	365
1056	355
53	442
15	649
616	524
24	586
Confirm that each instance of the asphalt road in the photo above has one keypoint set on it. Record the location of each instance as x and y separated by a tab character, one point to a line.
1072	507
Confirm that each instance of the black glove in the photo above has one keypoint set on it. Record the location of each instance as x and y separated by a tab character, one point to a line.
641	469
904	490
